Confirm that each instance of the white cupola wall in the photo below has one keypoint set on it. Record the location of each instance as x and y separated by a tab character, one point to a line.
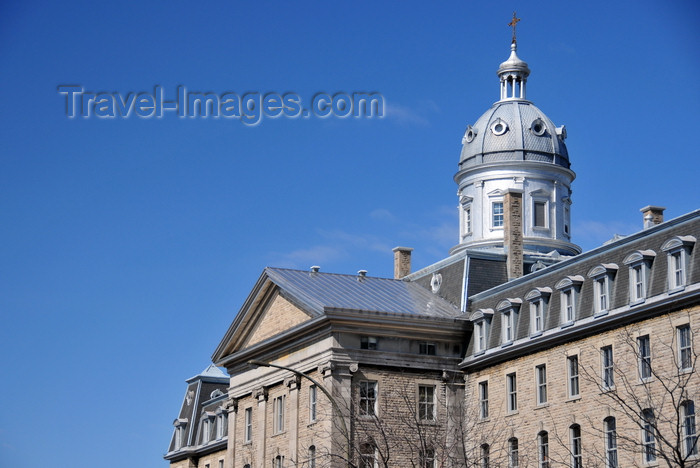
515	146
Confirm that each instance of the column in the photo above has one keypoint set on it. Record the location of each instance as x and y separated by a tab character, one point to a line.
293	383
232	408
260	433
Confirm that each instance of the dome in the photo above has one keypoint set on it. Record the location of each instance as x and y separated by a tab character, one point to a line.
513	130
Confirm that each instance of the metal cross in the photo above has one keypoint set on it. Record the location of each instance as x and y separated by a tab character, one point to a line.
513	24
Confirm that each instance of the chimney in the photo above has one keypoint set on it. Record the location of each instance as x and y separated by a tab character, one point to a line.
653	215
361	275
402	261
315	269
513	232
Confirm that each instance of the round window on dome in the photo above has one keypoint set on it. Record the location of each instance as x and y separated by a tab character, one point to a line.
469	135
538	127
499	127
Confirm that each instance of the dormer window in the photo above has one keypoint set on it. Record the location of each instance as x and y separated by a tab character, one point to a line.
538	299
678	250
207	427
569	288
602	279
482	321
180	426
221	424
639	263
509	310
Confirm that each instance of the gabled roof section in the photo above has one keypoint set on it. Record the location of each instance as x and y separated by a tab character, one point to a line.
314	293
321	291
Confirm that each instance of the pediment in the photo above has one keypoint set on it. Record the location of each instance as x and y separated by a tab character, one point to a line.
278	316
269	311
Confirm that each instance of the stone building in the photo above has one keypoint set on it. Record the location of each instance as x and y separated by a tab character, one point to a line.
515	350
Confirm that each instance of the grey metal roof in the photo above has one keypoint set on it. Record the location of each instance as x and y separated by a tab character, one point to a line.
320	291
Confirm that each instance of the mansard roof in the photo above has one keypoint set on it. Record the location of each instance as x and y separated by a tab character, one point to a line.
574	273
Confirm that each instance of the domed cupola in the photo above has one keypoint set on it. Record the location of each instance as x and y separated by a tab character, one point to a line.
515	146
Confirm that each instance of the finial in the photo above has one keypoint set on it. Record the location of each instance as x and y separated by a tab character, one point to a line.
513	24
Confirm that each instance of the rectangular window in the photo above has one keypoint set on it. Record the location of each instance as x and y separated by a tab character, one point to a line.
644	354
278	462
648	439
426	348
601	292
539	211
248	425
566	220
426	402
480	332
312	403
206	430
677	270
221	425
468	220
512	389
497	214
368	398
368	342
690	439
638	283
685	347
537	314
508	330
278	414
483	400
606	353
221	464
572	368
610	443
541	376
568	312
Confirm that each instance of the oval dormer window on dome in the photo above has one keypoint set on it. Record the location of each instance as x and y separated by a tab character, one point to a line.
469	135
538	127
499	127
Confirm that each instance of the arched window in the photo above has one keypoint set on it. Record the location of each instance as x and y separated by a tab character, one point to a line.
485	452
690	439
367	457
513	456
575	437
610	442
543	449
312	456
648	437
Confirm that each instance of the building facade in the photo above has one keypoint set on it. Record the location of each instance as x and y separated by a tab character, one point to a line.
516	350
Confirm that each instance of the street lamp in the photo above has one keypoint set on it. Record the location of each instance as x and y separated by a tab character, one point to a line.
334	403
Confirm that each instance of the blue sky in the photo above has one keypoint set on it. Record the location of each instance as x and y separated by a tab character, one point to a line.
128	245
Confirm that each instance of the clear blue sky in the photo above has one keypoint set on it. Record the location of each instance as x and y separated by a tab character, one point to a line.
128	245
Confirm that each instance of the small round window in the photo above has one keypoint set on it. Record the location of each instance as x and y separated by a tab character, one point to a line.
538	128
469	135
499	127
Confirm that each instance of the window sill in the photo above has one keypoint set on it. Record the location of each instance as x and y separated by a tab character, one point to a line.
250	442
536	334
276	434
505	345
676	290
512	413
567	324
573	398
602	313
637	302
541	406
